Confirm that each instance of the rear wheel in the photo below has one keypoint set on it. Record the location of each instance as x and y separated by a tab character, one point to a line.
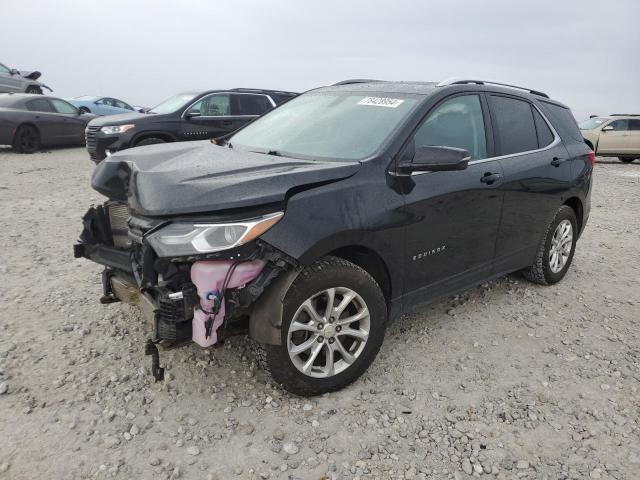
26	139
150	141
34	89
626	159
556	249
333	324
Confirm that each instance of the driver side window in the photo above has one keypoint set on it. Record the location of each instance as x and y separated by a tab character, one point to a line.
3	69
457	122
216	105
620	125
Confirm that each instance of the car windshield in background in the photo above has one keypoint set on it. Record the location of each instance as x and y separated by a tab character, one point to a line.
172	104
341	126
592	123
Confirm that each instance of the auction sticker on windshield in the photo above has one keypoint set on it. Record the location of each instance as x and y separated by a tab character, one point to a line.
381	102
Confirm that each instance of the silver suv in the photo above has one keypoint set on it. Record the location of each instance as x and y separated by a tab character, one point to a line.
615	135
12	81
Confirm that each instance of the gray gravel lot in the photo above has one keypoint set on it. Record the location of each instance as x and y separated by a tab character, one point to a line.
509	380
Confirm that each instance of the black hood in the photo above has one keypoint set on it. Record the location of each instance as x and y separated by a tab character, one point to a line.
121	119
197	177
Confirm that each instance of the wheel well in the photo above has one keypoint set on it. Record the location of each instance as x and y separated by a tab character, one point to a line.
163	136
576	204
36	87
26	124
370	261
589	144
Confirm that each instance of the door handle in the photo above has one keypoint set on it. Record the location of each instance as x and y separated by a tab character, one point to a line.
490	178
556	162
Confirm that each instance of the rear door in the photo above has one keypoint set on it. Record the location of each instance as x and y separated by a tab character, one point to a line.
614	138
537	171
453	217
633	139
247	107
47	121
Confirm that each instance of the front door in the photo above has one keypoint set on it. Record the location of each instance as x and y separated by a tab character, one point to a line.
613	138
71	126
210	117
453	217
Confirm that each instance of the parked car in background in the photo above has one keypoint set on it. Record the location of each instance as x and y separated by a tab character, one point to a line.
28	122
186	116
315	226
12	80
615	135
102	105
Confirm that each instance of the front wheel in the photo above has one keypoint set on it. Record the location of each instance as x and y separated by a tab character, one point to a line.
626	159
333	325
556	249
34	90
150	141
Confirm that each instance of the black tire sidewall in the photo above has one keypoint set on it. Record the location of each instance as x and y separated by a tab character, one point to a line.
18	144
565	213
626	159
332	274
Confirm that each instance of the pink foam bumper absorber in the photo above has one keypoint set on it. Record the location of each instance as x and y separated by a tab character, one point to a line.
209	276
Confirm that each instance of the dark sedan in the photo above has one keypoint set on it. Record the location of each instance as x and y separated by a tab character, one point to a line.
28	122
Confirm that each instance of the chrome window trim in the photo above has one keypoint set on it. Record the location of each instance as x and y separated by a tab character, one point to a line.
226	116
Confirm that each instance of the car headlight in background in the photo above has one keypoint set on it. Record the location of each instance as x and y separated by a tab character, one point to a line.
178	239
109	129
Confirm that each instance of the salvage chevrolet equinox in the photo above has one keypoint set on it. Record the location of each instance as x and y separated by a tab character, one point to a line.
316	225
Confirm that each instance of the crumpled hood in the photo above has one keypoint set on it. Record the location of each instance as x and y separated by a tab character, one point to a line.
198	177
30	74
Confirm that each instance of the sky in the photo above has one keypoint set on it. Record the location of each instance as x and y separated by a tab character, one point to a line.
584	53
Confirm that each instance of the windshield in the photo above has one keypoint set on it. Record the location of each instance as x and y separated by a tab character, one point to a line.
592	123
344	126
172	104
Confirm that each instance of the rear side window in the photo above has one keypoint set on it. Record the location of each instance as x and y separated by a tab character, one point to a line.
457	122
251	105
634	125
545	136
562	120
39	105
280	98
515	125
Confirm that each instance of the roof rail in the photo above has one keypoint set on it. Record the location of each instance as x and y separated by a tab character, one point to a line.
625	115
356	80
261	90
456	81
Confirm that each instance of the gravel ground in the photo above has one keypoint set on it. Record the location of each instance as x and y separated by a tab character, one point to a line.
509	380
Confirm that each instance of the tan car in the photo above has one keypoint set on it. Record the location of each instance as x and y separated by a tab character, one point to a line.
613	136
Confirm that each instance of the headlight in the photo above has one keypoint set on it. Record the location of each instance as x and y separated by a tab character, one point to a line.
109	129
178	239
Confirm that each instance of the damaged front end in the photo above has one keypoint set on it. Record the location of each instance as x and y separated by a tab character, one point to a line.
192	278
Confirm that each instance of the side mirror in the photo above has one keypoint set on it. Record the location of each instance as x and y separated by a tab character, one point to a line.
436	159
607	128
193	113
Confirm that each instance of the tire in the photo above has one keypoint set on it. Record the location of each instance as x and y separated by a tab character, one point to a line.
626	159
150	141
33	89
311	287
84	110
26	139
542	271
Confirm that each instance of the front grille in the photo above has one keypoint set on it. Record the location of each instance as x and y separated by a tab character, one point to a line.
90	138
118	218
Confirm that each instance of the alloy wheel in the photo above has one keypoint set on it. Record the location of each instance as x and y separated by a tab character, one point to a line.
328	332
561	245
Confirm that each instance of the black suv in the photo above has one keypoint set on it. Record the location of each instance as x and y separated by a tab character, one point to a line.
183	117
316	225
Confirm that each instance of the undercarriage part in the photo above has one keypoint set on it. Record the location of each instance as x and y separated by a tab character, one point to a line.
175	313
157	371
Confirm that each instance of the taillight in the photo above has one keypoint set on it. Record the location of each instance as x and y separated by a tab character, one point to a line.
592	157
